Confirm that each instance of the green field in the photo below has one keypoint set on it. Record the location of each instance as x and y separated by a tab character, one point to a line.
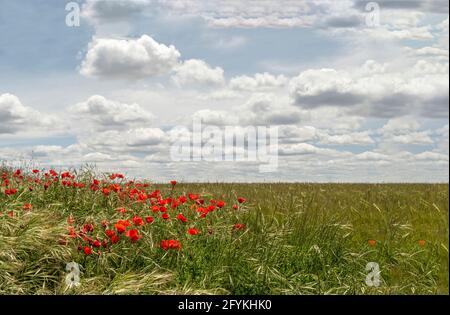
294	238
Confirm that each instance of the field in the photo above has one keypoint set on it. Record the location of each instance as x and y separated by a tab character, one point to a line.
128	238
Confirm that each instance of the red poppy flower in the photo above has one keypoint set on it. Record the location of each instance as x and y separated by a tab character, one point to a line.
96	243
10	192
241	200
115	239
220	204
120	227
138	221
193	231
27	206
149	219
235	207
87	250
133	235
170	244
173	182
155	208
193	196
165	216
181	217
124	222
88	228
239	226
35	171
110	233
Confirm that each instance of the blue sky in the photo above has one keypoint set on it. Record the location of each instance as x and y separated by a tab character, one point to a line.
351	101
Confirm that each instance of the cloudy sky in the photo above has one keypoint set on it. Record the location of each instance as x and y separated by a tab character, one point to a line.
356	96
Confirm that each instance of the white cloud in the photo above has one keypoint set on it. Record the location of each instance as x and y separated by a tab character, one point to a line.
420	138
107	114
128	58
400	124
15	117
259	81
353	138
421	88
197	72
215	117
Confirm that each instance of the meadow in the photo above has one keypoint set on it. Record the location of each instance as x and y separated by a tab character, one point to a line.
132	237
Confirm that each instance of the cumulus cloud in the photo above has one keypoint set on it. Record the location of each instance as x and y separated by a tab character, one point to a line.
421	89
16	117
420	138
197	72
135	139
107	114
352	138
128	58
259	81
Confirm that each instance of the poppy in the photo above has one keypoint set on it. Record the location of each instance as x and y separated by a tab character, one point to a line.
149	219
120	227
35	171
235	207
182	199
170	244
422	243
193	196
182	218
241	200
155	208
193	231
220	204
165	216
173	182
110	233
133	235
87	228
27	207
87	250
239	226
72	232
138	221
96	243
115	239
10	192
372	242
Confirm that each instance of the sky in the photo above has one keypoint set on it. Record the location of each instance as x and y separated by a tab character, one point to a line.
357	91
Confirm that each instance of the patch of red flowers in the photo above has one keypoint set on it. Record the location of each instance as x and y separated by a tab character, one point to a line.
170	244
135	203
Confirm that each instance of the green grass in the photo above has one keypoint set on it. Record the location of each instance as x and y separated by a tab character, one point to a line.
299	239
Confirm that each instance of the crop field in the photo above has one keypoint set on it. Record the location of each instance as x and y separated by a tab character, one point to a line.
134	237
